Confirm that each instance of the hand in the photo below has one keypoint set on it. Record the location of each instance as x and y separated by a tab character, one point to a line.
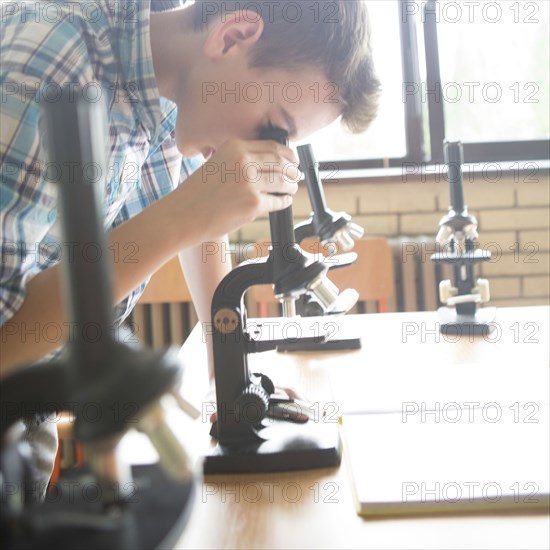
244	179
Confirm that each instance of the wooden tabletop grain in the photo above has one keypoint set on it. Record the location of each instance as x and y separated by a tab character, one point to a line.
403	358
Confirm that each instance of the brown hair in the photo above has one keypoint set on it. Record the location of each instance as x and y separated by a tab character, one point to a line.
331	34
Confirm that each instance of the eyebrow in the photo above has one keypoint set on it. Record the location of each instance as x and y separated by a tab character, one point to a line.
291	123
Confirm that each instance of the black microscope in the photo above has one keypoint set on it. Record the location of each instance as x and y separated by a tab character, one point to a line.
106	503
331	229
457	241
250	438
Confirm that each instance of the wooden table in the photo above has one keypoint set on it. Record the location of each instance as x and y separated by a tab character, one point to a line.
399	360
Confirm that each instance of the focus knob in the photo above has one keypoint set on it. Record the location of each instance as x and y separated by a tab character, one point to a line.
265	382
251	406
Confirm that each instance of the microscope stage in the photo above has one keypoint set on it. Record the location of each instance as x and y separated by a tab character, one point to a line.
324	333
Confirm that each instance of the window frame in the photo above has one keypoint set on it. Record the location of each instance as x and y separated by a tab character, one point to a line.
416	139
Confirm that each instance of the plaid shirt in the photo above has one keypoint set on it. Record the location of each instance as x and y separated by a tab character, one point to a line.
103	47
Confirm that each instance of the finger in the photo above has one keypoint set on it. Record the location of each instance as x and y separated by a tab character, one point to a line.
278	187
290	392
271	176
273	203
272	165
277	149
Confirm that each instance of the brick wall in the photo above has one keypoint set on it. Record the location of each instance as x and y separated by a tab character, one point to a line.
513	214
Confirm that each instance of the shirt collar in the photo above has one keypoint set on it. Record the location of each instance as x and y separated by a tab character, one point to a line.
137	64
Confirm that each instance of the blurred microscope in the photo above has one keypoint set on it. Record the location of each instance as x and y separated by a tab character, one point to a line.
457	240
106	503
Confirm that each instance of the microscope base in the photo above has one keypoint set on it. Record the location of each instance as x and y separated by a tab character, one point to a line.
154	516
286	447
480	324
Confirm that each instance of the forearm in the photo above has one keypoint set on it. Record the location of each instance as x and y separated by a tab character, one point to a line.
25	337
204	266
205	207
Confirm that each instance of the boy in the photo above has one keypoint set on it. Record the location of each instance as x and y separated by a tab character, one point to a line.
181	86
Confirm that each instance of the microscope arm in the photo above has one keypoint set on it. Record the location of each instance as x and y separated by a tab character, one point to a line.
233	342
304	230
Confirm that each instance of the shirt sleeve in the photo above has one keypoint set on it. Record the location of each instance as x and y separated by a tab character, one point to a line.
37	60
162	172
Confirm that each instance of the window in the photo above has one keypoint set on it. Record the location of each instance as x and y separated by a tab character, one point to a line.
386	137
475	71
495	72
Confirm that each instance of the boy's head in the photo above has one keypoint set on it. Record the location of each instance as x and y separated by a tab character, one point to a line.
239	66
332	35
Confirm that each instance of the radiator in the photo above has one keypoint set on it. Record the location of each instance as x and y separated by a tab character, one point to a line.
416	289
416	276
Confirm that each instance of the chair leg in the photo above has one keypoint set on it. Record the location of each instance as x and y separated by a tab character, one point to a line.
70	453
56	466
262	309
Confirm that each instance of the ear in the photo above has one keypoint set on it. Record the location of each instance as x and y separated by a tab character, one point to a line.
238	31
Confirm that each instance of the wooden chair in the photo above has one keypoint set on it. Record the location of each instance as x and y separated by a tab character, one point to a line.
164	313
372	275
69	453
